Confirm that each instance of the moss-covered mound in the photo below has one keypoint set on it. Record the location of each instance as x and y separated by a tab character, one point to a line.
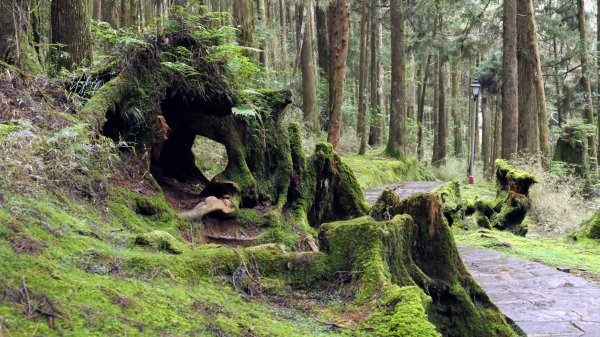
593	230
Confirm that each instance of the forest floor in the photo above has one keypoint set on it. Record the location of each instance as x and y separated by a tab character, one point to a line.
542	301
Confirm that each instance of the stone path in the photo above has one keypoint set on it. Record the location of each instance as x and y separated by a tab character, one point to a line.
540	300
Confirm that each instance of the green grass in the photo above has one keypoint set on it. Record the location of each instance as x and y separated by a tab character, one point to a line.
375	170
81	257
558	252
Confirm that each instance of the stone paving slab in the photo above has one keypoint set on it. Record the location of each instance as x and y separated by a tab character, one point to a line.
403	190
541	300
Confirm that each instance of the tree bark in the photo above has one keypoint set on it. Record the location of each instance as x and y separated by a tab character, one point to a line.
243	19
109	12
339	33
396	138
528	104
71	30
97	10
421	108
376	71
309	82
322	38
363	70
440	147
510	94
456	111
585	81
284	41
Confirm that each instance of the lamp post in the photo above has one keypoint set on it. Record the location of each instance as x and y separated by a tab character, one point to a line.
475	86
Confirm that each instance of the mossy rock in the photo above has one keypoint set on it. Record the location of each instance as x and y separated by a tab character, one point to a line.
593	231
161	240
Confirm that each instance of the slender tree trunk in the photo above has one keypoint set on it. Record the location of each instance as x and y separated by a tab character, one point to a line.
497	131
442	117
376	71
396	139
339	33
510	94
284	41
528	105
322	38
109	13
309	81
585	80
421	107
485	130
411	89
133	13
456	114
361	128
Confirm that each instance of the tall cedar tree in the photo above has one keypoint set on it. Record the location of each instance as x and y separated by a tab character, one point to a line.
309	81
363	69
376	74
396	140
339	33
510	95
585	78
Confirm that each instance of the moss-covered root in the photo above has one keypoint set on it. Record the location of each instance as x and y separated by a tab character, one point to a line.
107	98
512	198
161	240
593	231
459	306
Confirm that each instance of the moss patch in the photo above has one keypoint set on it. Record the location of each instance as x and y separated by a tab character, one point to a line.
375	170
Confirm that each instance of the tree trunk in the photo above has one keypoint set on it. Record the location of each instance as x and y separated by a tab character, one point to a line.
411	89
124	16
585	81
339	33
70	29
133	12
109	12
322	38
456	111
542	109
510	94
309	82
528	105
97	10
440	147
284	41
485	130
243	19
396	138
363	82
421	108
376	72
497	131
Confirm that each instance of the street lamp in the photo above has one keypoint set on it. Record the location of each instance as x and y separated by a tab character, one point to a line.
475	87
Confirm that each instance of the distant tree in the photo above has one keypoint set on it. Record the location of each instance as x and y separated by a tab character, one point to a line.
339	33
363	81
396	139
376	75
309	81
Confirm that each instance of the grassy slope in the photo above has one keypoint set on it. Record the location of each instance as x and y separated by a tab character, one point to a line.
375	170
81	257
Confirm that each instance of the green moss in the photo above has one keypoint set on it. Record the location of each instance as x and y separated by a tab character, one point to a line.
162	241
594	228
401	312
5	129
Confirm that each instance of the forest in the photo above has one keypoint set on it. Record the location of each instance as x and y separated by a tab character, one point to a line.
412	168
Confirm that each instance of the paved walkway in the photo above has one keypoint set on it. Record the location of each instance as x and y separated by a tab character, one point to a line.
402	189
541	300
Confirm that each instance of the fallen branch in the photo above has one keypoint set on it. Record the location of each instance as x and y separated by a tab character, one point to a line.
334	325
